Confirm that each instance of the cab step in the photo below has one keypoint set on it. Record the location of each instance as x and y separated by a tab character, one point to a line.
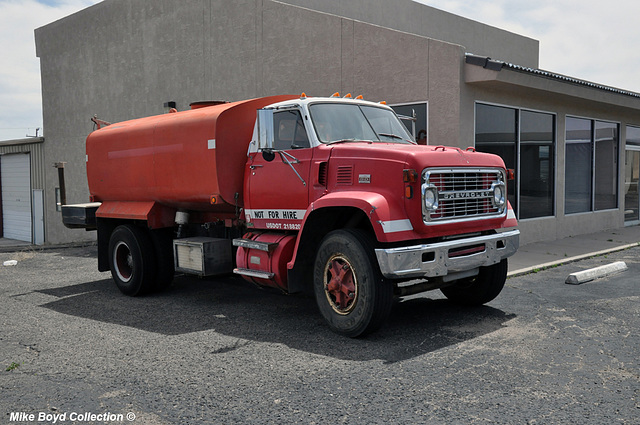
259	274
251	244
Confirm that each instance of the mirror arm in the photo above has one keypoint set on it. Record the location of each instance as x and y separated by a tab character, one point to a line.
284	156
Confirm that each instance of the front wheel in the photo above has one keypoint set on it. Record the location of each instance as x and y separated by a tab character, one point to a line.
479	289
350	292
132	260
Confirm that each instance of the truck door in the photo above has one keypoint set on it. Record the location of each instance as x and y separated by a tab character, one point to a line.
278	174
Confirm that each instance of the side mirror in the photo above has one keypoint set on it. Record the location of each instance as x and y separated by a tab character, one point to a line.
265	128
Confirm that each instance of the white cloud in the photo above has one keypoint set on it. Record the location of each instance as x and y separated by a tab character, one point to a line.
585	39
20	94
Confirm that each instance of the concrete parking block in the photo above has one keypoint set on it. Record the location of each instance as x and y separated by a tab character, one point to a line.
578	278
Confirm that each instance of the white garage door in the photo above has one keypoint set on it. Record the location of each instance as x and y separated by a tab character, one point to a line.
16	196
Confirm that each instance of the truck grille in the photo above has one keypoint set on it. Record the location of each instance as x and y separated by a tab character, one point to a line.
462	194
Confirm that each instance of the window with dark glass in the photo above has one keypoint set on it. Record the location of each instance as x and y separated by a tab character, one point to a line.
537	164
525	140
632	175
591	165
414	117
578	165
497	133
606	165
289	130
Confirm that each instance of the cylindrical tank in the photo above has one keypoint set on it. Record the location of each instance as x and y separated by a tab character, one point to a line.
185	160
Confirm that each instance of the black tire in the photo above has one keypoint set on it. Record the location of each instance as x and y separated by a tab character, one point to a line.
349	289
163	244
132	260
479	289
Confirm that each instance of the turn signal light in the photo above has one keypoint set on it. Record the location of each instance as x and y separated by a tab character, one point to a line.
408	192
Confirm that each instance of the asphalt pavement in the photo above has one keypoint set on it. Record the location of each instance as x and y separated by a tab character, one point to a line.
221	351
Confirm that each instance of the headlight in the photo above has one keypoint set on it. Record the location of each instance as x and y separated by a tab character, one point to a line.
430	197
499	192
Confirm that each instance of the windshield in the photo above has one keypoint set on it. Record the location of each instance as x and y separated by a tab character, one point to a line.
339	122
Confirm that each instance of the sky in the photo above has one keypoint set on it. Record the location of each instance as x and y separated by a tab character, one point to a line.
586	39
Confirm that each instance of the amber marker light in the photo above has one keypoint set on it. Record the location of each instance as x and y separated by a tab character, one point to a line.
511	175
409	175
336	94
213	200
408	192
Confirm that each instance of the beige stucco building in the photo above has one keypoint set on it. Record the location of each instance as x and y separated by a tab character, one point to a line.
574	145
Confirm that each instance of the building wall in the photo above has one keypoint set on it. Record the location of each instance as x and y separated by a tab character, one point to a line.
417	18
136	55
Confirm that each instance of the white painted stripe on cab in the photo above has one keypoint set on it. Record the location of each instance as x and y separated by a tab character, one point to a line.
393	226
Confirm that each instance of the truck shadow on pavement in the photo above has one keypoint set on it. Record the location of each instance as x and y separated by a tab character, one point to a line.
235	308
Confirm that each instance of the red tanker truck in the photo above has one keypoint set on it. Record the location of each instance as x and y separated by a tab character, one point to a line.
328	195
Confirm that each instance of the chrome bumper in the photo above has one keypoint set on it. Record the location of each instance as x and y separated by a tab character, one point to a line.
443	258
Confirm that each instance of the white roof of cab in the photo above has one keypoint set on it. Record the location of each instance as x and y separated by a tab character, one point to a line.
310	100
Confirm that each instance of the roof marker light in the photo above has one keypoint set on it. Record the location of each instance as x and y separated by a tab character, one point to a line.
347	96
303	95
336	94
359	97
384	102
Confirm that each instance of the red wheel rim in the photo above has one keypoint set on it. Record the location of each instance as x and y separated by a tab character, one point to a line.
340	286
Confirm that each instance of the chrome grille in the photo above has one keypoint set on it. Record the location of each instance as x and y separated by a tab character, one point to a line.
462	193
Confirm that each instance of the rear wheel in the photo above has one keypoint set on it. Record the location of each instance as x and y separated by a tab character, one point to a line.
132	260
479	289
350	292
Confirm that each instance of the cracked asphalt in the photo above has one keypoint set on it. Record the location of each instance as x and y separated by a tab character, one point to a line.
221	351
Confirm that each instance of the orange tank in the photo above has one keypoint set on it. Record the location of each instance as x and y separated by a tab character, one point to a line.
185	160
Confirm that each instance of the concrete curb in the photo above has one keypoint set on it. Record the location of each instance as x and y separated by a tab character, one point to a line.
534	269
584	276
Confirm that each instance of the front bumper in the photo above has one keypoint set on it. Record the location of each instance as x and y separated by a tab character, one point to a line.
443	258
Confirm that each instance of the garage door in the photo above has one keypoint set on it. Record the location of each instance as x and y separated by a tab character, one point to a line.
16	196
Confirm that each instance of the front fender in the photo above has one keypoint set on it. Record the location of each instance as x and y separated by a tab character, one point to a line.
388	220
